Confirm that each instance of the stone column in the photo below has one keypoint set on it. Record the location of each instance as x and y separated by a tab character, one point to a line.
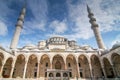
54	73
61	75
38	67
103	69
114	70
25	68
78	75
65	65
13	66
3	63
91	71
1	70
47	74
51	63
113	67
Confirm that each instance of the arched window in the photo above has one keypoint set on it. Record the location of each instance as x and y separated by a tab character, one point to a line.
69	65
58	75
36	64
65	75
58	65
46	64
79	64
51	75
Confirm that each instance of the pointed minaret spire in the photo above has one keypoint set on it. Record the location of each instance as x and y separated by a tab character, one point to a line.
88	9
19	27
95	28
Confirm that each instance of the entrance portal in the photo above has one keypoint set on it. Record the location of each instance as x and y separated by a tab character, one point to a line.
57	65
55	74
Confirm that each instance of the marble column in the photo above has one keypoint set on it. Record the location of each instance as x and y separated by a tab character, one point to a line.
78	75
65	67
61	75
103	69
112	65
25	68
91	70
51	63
38	67
114	70
1	70
54	73
3	63
13	66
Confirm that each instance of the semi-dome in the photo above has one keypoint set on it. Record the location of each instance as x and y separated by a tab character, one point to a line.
29	46
116	45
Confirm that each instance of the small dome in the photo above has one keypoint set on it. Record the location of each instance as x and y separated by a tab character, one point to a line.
25	49
116	45
30	45
35	49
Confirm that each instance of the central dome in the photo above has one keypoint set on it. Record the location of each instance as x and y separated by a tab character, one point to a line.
57	40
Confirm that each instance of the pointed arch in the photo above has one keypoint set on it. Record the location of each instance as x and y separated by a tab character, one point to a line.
84	68
44	65
32	66
61	55
116	63
59	58
108	68
96	66
71	64
7	68
1	60
19	66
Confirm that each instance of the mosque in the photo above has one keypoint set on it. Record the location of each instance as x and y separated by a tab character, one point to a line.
59	58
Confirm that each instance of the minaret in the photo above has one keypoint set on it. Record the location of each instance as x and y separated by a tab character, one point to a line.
95	28
19	27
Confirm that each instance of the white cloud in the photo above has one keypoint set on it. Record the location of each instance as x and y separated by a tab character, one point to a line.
117	39
3	29
78	15
106	13
59	27
38	19
105	17
30	27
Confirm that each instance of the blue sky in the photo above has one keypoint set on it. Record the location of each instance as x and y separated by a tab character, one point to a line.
68	18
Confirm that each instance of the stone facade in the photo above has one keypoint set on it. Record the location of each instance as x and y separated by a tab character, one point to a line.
59	62
59	58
